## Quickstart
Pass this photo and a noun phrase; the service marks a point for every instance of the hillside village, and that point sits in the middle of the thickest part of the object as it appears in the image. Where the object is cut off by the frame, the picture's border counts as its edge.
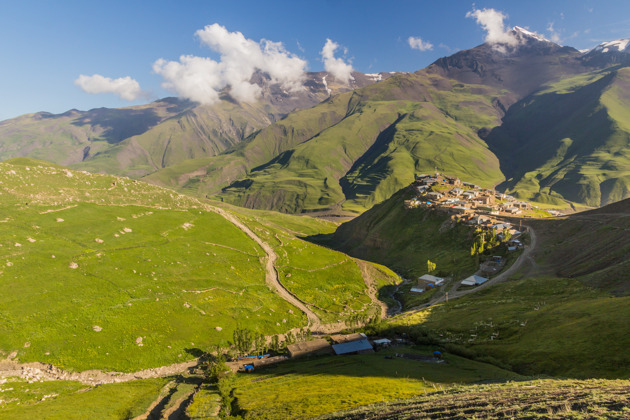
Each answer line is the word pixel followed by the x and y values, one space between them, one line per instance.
pixel 474 206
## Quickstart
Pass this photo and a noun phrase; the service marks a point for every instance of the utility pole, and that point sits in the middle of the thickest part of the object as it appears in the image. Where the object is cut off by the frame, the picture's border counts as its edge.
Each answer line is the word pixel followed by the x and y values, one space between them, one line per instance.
pixel 446 297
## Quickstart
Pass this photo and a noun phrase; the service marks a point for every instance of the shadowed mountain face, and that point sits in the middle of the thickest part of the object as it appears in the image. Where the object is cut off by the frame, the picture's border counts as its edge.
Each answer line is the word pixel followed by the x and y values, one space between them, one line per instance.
pixel 569 142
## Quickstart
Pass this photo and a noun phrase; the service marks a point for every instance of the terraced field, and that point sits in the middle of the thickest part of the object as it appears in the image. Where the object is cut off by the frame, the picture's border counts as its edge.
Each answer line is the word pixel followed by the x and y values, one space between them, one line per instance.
pixel 548 399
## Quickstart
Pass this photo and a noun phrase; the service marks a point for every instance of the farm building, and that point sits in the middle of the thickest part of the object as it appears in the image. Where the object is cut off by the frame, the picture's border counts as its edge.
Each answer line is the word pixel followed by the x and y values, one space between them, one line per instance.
pixel 310 348
pixel 416 289
pixel 501 226
pixel 469 195
pixel 346 338
pixel 382 342
pixel 484 199
pixel 474 280
pixel 354 347
pixel 438 281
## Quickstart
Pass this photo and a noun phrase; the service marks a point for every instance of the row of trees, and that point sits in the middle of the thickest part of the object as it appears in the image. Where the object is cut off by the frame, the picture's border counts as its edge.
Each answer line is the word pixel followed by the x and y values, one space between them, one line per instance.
pixel 246 340
pixel 487 240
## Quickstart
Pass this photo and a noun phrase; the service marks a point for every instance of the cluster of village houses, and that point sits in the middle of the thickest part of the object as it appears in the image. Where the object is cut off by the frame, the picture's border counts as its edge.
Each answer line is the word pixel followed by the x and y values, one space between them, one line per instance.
pixel 473 206
pixel 451 195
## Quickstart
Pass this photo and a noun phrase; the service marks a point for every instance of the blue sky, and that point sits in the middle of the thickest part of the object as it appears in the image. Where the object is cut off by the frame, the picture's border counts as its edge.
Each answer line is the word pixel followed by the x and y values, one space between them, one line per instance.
pixel 45 46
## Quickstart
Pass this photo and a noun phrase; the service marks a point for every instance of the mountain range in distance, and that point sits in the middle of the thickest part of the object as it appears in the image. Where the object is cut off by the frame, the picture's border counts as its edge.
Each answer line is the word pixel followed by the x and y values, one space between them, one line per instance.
pixel 544 122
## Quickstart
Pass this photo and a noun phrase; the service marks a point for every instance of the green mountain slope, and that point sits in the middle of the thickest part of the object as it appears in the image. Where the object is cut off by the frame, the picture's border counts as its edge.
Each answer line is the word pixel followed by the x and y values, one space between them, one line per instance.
pixel 569 142
pixel 404 239
pixel 566 304
pixel 198 132
pixel 140 140
pixel 407 124
pixel 116 274
pixel 591 246
pixel 74 136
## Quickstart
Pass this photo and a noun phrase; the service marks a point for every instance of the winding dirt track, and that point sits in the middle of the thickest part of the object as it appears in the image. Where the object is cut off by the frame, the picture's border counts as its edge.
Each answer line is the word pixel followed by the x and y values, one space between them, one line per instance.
pixel 271 274
pixel 372 287
pixel 40 371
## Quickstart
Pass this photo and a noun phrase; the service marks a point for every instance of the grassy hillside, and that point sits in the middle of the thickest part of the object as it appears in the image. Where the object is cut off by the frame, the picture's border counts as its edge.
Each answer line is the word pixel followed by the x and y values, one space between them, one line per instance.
pixel 404 239
pixel 577 149
pixel 534 326
pixel 546 398
pixel 407 124
pixel 208 175
pixel 117 274
pixel 557 315
pixel 307 388
pixel 199 132
pixel 61 400
pixel 591 246
pixel 74 136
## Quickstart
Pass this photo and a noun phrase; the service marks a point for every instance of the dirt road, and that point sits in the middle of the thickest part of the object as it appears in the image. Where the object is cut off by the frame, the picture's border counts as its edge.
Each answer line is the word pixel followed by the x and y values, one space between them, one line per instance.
pixel 36 371
pixel 372 287
pixel 271 274
pixel 454 293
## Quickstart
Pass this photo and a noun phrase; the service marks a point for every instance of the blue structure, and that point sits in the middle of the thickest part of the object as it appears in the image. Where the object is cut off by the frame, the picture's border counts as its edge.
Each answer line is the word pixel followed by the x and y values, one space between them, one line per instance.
pixel 253 357
pixel 248 368
pixel 353 347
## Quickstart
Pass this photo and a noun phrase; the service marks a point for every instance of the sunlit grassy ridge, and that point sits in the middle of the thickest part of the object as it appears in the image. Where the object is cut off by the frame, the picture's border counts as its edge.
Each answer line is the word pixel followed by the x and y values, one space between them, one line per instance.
pixel 404 239
pixel 393 129
pixel 330 282
pixel 96 263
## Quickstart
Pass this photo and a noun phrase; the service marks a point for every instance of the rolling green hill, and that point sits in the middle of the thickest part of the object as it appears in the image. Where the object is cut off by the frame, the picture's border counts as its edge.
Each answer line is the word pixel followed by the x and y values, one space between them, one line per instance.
pixel 563 313
pixel 404 239
pixel 74 136
pixel 404 125
pixel 591 246
pixel 116 274
pixel 139 140
pixel 569 142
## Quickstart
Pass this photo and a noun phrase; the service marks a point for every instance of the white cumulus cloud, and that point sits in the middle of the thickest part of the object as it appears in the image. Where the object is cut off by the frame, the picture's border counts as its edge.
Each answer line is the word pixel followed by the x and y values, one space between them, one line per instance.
pixel 418 44
pixel 201 79
pixel 125 87
pixel 334 65
pixel 554 35
pixel 491 21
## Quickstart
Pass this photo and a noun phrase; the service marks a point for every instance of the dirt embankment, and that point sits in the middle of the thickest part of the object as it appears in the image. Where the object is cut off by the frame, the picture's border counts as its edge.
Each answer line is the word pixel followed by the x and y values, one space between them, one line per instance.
pixel 37 372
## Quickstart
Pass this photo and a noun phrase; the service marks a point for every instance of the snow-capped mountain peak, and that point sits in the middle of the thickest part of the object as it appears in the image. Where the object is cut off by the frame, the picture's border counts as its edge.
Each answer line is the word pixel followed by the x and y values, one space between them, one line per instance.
pixel 522 32
pixel 619 45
